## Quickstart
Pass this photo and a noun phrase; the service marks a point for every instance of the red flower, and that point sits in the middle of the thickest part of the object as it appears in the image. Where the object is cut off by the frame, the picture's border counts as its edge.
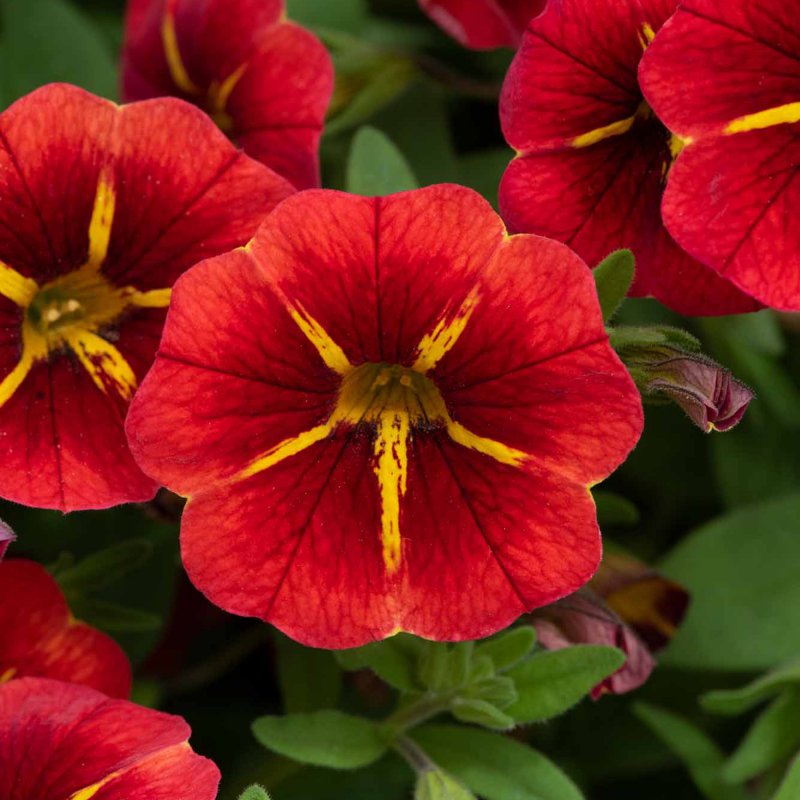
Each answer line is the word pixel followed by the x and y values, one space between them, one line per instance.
pixel 483 24
pixel 265 81
pixel 58 741
pixel 592 158
pixel 724 76
pixel 40 638
pixel 386 413
pixel 101 209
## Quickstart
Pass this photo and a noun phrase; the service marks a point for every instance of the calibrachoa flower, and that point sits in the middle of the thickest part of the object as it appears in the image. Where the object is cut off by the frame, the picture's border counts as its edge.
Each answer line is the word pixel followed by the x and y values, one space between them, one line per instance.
pixel 40 638
pixel 265 81
pixel 724 76
pixel 59 741
pixel 592 158
pixel 386 413
pixel 483 24
pixel 101 209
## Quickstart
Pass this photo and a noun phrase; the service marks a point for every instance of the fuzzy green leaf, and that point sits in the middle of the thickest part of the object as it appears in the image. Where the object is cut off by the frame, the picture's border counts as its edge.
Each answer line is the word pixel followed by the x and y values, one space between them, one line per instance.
pixel 254 792
pixel 613 277
pixel 376 167
pixel 737 701
pixel 508 648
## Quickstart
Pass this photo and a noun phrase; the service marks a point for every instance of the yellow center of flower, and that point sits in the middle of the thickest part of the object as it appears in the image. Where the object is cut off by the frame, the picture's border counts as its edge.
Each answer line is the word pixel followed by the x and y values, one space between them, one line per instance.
pixel 395 403
pixel 72 311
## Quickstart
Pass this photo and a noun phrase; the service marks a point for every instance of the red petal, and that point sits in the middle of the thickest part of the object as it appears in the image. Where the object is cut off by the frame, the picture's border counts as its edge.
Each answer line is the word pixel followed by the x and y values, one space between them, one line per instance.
pixel 728 201
pixel 57 739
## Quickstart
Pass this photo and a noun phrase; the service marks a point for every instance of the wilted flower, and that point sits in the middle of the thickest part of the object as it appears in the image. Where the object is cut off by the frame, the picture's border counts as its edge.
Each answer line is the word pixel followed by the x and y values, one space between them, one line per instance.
pixel 6 537
pixel 264 80
pixel 40 638
pixel 483 24
pixel 592 158
pixel 711 397
pixel 626 605
pixel 102 207
pixel 723 76
pixel 60 740
pixel 386 414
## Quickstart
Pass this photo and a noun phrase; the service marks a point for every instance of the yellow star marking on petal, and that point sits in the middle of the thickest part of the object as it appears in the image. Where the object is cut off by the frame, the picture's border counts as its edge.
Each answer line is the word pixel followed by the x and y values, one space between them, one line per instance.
pixel 394 401
pixel 91 791
pixel 8 675
pixel 102 219
pixel 391 469
pixel 218 95
pixel 780 115
pixel 32 351
pixel 155 298
pixel 647 35
pixel 106 366
pixel 177 70
pixel 16 287
pixel 329 351
pixel 442 338
pixel 606 132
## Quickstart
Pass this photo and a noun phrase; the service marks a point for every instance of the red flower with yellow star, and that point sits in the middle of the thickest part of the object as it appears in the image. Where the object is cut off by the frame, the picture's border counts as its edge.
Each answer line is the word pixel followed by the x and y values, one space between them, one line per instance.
pixel 59 740
pixel 483 24
pixel 265 81
pixel 592 158
pixel 725 76
pixel 386 414
pixel 101 209
pixel 40 638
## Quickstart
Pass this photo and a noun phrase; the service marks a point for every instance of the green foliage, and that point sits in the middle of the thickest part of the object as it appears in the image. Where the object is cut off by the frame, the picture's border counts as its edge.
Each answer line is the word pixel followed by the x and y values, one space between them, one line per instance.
pixel 551 683
pixel 703 759
pixel 509 648
pixel 376 167
pixel 613 277
pixel 254 793
pixel 736 701
pixel 105 567
pixel 43 41
pixel 613 509
pixel 790 788
pixel 343 15
pixel 310 679
pixel 494 767
pixel 325 738
pixel 433 784
pixel 774 736
pixel 741 573
pixel 393 660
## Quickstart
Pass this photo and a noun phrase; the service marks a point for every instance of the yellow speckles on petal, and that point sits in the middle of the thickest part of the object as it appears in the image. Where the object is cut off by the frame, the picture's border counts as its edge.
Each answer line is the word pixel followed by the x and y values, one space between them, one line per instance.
pixel 177 70
pixel 286 449
pixel 391 469
pixel 16 287
pixel 647 35
pixel 104 363
pixel 606 132
pixel 780 115
pixel 155 298
pixel 443 337
pixel 102 219
pixel 91 791
pixel 8 675
pixel 489 447
pixel 329 351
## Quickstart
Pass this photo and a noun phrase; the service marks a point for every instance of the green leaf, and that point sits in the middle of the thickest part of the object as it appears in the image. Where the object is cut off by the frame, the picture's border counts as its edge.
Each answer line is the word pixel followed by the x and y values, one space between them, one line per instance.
pixel 113 617
pixel 627 336
pixel 433 784
pixel 774 736
pixel 790 788
pixel 254 792
pixel 434 666
pixel 393 660
pixel 737 701
pixel 376 166
pixel 694 748
pixel 613 277
pixel 310 679
pixel 614 509
pixel 480 712
pixel 552 682
pixel 494 767
pixel 508 648
pixel 500 691
pixel 741 573
pixel 105 567
pixel 344 15
pixel 483 170
pixel 324 738
pixel 45 41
